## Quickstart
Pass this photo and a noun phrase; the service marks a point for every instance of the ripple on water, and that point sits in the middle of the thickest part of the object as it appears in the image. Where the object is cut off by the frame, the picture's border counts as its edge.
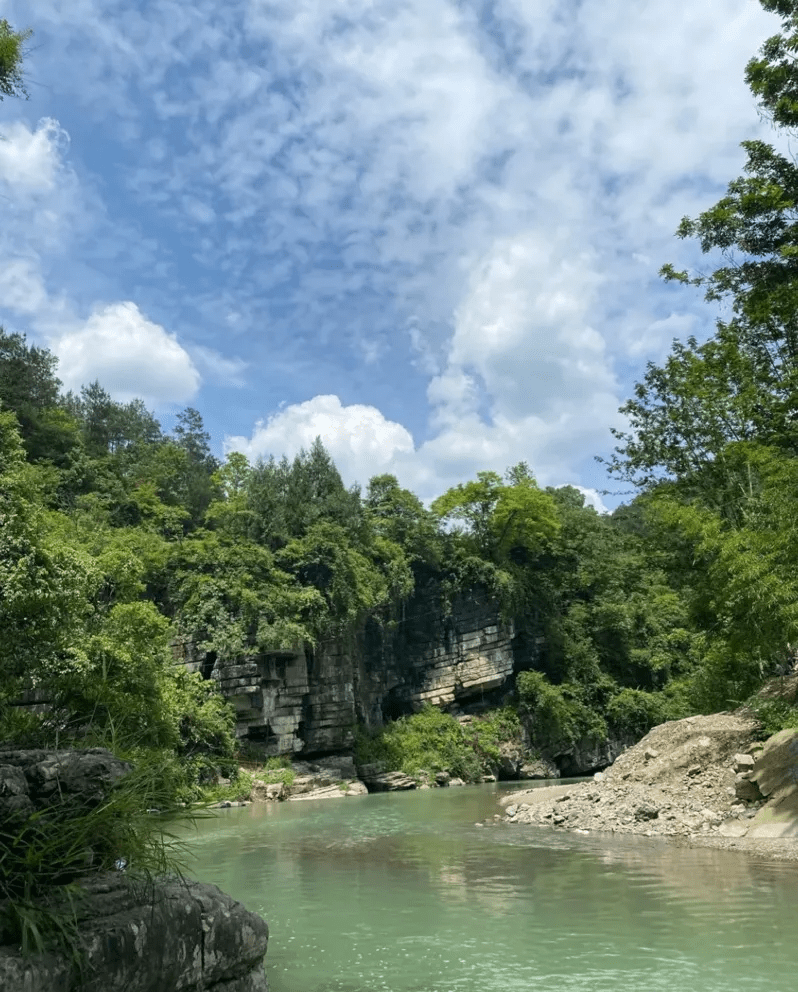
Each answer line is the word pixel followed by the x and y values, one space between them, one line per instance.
pixel 403 893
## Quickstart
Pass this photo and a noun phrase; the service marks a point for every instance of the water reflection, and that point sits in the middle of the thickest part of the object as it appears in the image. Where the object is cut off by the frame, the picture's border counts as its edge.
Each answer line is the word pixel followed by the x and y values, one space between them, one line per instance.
pixel 403 892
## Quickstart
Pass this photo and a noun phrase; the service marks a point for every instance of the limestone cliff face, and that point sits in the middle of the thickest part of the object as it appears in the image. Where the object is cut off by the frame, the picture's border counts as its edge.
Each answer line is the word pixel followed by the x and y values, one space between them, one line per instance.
pixel 309 701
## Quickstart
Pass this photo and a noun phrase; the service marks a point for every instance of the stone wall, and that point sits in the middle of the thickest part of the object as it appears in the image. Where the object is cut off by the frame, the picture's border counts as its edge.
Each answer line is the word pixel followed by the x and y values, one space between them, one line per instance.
pixel 308 701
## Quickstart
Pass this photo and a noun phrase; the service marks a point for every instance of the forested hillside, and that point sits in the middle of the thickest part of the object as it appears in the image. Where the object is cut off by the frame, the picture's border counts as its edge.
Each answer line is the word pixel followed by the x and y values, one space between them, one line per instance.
pixel 116 537
pixel 129 536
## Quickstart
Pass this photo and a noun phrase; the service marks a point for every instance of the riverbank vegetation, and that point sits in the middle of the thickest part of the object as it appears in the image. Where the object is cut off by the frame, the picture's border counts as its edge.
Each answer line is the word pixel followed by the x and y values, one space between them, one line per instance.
pixel 117 537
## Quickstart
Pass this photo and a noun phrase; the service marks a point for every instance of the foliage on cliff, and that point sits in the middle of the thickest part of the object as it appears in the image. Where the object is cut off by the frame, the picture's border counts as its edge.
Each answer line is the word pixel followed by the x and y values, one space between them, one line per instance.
pixel 432 741
pixel 133 536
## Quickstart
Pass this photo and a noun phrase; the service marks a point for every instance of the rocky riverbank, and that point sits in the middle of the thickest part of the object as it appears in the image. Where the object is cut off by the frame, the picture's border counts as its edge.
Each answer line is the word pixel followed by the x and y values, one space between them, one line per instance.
pixel 131 935
pixel 338 777
pixel 705 780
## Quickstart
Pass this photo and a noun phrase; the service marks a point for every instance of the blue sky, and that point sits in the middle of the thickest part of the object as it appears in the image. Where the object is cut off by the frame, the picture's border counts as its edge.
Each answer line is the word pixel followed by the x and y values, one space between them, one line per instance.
pixel 427 230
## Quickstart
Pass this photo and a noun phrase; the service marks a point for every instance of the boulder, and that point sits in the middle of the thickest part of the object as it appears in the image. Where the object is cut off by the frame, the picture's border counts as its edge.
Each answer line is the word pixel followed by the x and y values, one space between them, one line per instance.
pixel 86 775
pixel 442 779
pixel 776 774
pixel 746 789
pixel 538 768
pixel 776 767
pixel 743 763
pixel 339 766
pixel 170 934
pixel 15 798
pixel 510 761
pixel 391 782
pixel 587 755
pixel 370 771
pixel 733 828
pixel 268 791
pixel 323 792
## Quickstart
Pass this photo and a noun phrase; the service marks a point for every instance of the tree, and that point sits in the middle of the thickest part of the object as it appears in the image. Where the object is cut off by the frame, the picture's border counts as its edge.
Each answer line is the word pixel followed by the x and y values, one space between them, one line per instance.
pixel 45 588
pixel 192 438
pixel 499 521
pixel 743 384
pixel 399 515
pixel 230 511
pixel 190 434
pixel 30 388
pixel 714 431
pixel 315 491
pixel 11 53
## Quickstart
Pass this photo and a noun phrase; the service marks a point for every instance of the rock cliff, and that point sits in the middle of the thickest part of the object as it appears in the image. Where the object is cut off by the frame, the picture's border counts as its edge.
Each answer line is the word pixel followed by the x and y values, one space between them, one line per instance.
pixel 308 701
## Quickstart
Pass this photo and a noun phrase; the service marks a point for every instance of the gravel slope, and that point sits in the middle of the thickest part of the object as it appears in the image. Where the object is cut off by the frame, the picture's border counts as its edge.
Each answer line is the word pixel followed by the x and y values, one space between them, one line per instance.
pixel 687 780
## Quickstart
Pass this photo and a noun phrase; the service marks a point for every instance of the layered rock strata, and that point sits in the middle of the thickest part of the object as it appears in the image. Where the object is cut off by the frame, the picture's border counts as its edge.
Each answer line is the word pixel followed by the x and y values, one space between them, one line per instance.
pixel 308 701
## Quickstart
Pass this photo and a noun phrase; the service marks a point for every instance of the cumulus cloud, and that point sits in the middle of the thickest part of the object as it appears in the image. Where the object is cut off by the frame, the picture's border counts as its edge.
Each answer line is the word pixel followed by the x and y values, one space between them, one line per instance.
pixel 360 439
pixel 31 159
pixel 130 355
pixel 21 285
pixel 364 443
pixel 501 180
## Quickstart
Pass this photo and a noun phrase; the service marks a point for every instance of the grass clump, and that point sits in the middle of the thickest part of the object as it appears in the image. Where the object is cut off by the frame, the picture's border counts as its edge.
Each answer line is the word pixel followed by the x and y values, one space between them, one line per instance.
pixel 44 853
pixel 272 771
pixel 775 705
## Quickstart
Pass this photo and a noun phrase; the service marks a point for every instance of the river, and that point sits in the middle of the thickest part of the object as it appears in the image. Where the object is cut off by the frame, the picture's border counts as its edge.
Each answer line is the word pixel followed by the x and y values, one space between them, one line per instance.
pixel 402 892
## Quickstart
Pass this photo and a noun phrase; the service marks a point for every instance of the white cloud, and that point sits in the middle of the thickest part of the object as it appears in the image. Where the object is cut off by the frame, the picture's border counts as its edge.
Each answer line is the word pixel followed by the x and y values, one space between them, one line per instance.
pixel 21 285
pixel 364 443
pixel 528 377
pixel 130 355
pixel 506 195
pixel 360 439
pixel 216 367
pixel 31 160
pixel 592 498
pixel 49 211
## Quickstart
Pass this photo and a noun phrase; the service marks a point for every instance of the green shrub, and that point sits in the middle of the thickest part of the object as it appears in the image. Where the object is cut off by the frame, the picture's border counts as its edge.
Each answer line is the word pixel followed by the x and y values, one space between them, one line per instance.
pixel 276 770
pixel 434 741
pixel 558 713
pixel 774 715
pixel 634 712
pixel 429 740
pixel 238 790
pixel 495 728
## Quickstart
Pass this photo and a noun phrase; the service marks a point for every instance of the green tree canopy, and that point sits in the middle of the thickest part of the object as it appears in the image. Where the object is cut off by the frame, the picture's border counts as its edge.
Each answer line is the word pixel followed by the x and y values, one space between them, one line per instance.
pixel 11 54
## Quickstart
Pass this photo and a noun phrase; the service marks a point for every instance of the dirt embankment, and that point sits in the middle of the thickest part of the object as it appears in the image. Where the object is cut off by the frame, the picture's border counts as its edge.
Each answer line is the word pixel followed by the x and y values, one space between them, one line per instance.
pixel 706 779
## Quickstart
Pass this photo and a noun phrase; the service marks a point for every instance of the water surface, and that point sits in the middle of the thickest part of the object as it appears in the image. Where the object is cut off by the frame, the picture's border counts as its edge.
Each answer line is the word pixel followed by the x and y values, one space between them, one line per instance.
pixel 402 892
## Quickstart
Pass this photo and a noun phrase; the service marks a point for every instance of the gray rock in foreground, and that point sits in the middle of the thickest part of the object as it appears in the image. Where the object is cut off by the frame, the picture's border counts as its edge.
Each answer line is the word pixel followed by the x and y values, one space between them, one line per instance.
pixel 166 936
pixel 173 935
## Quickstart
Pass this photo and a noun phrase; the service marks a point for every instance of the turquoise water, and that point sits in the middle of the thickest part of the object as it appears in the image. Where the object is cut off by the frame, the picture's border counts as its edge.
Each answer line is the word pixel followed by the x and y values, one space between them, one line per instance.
pixel 402 892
